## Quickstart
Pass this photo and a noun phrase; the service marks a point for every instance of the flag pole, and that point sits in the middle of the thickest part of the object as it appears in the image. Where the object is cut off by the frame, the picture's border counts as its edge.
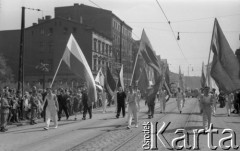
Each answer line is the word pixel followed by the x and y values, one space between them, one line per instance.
pixel 56 72
pixel 208 72
pixel 134 66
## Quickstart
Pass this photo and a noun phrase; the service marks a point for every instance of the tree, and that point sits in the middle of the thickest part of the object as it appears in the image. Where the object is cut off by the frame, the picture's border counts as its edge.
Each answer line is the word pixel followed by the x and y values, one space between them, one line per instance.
pixel 6 75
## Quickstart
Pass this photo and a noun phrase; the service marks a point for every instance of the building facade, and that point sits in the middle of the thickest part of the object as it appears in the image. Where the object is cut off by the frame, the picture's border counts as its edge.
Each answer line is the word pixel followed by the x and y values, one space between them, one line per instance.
pixel 46 41
pixel 111 25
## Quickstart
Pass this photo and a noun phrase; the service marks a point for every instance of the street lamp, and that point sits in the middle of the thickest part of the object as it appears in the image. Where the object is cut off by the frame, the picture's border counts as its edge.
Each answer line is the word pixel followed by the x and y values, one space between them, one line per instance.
pixel 43 67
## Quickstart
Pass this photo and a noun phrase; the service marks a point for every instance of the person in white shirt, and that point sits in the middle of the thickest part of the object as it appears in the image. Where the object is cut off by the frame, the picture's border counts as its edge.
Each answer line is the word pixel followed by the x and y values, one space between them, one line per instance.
pixel 51 109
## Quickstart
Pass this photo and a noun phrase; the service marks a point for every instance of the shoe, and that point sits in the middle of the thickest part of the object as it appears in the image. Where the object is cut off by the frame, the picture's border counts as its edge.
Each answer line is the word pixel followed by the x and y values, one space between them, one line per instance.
pixel 128 127
pixel 59 119
pixel 149 116
pixel 55 127
pixel 34 122
pixel 180 112
pixel 3 130
pixel 117 116
pixel 45 128
pixel 90 117
pixel 75 118
pixel 67 117
pixel 83 118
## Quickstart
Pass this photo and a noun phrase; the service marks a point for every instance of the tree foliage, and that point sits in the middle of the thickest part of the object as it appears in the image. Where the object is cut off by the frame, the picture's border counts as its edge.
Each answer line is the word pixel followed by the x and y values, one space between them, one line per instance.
pixel 5 71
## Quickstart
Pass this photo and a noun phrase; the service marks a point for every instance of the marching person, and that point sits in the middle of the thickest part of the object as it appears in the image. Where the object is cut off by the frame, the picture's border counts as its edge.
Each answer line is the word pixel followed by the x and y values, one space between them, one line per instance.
pixel 229 100
pixel 162 99
pixel 132 107
pixel 179 100
pixel 104 100
pixel 121 96
pixel 34 101
pixel 214 106
pixel 51 108
pixel 206 101
pixel 86 104
pixel 4 111
pixel 63 104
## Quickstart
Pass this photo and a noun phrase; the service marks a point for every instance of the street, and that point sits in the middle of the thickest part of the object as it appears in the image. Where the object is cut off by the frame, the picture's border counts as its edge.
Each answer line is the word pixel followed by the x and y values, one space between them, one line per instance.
pixel 105 132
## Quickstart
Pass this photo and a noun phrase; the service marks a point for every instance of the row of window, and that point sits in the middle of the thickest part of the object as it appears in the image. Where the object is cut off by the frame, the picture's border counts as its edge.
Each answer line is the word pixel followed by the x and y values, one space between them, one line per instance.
pixel 117 26
pixel 102 47
pixel 97 64
pixel 45 46
pixel 50 31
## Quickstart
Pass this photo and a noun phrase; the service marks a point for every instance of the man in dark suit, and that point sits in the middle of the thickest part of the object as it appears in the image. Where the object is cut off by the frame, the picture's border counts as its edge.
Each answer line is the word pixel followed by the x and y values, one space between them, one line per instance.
pixel 86 104
pixel 62 101
pixel 121 96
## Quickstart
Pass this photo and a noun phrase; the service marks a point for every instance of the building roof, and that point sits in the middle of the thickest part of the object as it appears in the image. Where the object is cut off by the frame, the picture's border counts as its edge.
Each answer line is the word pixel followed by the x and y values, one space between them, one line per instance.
pixel 86 27
pixel 98 9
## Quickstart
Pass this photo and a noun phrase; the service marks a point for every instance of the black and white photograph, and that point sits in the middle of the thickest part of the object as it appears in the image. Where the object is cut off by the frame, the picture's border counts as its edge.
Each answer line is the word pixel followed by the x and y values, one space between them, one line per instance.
pixel 119 75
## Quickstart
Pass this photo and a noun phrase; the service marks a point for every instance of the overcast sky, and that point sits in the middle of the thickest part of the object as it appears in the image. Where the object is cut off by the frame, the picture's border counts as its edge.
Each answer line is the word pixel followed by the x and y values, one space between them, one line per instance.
pixel 192 18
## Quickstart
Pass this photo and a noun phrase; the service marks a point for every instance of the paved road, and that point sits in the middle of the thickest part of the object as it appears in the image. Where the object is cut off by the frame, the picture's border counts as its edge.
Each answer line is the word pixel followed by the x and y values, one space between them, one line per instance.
pixel 105 132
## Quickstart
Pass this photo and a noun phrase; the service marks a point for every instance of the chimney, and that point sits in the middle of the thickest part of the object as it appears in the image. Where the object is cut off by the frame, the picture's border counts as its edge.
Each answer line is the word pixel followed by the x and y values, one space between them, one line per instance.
pixel 48 17
pixel 34 24
pixel 76 4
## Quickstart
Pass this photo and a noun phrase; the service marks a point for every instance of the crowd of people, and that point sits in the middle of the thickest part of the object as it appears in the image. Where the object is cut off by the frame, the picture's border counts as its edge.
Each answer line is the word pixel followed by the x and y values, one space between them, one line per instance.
pixel 50 104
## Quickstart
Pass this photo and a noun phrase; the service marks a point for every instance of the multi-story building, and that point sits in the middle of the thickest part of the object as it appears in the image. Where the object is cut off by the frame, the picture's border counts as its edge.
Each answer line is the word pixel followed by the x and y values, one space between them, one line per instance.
pixel 46 41
pixel 108 23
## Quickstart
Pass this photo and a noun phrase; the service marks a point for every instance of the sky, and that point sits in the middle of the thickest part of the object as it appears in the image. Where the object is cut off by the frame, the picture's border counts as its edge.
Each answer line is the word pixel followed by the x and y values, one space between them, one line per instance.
pixel 193 19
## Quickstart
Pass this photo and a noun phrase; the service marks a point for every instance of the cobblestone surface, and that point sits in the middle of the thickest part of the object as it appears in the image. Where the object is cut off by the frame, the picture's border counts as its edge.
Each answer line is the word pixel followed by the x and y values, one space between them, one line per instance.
pixel 118 139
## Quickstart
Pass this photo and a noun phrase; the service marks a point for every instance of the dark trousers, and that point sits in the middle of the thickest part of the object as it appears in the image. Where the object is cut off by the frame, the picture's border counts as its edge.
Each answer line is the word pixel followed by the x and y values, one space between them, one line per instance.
pixel 4 119
pixel 86 109
pixel 119 108
pixel 64 108
pixel 33 115
pixel 151 109
pixel 15 115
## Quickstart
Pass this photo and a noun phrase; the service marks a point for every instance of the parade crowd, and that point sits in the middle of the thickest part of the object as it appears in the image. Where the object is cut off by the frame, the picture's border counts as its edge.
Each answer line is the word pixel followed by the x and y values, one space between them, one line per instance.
pixel 50 104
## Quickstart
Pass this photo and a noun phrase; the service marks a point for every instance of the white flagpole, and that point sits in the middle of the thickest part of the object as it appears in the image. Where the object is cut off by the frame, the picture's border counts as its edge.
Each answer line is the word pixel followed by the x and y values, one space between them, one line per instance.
pixel 56 72
pixel 134 67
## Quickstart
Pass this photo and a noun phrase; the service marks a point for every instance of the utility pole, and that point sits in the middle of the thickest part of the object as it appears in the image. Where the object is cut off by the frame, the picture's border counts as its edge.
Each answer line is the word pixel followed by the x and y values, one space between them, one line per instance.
pixel 21 66
pixel 21 53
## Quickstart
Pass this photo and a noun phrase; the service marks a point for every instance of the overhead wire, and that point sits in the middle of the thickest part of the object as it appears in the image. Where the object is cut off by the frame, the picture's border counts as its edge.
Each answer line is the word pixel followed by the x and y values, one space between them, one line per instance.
pixel 172 31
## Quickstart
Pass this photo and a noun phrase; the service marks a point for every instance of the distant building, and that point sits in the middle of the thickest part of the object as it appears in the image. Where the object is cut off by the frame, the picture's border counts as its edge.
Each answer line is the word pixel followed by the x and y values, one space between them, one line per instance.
pixel 111 25
pixel 46 41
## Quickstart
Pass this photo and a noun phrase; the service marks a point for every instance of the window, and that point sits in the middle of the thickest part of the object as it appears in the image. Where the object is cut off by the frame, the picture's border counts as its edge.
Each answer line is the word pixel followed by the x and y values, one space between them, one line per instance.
pixel 103 48
pixel 50 46
pixel 95 64
pixel 42 31
pixel 99 64
pixel 74 29
pixel 65 30
pixel 95 45
pixel 107 47
pixel 99 46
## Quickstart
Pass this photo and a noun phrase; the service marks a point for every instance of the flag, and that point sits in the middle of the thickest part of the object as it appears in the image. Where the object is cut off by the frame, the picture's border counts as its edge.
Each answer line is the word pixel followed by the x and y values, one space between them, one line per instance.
pixel 181 80
pixel 225 66
pixel 138 65
pixel 146 51
pixel 120 78
pixel 110 83
pixel 99 79
pixel 209 80
pixel 77 63
pixel 203 78
pixel 143 81
pixel 148 55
